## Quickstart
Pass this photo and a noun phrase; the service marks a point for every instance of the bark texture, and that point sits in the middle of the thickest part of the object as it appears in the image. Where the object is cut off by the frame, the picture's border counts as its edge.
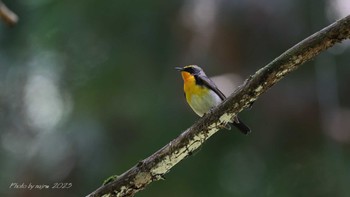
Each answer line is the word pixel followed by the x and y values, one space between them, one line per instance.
pixel 157 165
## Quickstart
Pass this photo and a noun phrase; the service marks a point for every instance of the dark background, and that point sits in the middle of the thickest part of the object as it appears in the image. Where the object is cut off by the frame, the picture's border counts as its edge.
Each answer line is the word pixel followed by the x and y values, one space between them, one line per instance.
pixel 88 88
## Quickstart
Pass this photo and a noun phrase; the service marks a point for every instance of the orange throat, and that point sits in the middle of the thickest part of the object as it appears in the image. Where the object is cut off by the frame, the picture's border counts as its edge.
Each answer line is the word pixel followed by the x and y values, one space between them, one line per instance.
pixel 187 77
pixel 190 87
pixel 189 81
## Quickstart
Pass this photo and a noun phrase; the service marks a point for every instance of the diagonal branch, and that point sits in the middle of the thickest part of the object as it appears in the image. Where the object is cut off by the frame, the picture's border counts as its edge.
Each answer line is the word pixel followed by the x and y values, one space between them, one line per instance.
pixel 157 165
pixel 7 15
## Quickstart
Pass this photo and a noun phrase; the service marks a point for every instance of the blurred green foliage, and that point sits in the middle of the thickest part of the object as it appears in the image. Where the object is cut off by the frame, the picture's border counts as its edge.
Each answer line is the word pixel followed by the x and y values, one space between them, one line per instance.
pixel 87 89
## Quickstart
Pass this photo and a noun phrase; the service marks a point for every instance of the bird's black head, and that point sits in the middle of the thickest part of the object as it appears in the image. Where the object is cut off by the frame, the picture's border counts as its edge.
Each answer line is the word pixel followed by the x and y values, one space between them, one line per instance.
pixel 191 69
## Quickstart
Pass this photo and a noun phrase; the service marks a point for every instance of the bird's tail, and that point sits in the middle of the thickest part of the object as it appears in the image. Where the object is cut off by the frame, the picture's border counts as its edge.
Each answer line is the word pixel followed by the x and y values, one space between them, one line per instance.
pixel 241 126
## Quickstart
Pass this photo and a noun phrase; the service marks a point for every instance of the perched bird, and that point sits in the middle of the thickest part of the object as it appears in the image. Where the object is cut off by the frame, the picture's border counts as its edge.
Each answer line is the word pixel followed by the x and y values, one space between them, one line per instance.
pixel 202 94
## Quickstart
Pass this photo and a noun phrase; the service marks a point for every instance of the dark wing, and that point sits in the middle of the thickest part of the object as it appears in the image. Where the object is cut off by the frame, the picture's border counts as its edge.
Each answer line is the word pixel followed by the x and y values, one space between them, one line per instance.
pixel 205 81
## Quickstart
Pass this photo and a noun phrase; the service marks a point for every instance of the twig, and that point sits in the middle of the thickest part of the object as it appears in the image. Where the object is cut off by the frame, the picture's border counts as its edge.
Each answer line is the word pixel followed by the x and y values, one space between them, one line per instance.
pixel 7 15
pixel 157 165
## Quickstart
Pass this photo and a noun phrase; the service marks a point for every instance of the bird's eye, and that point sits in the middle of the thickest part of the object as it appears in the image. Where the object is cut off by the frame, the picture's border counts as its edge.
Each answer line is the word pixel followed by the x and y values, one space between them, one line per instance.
pixel 190 70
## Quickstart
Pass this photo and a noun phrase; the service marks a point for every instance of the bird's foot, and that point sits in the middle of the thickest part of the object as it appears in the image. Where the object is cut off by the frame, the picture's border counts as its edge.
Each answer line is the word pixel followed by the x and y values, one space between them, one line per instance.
pixel 224 126
pixel 250 105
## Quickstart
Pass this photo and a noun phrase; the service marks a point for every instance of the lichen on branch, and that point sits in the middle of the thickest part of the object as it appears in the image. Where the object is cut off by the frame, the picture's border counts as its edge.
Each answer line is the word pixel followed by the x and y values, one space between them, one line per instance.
pixel 158 164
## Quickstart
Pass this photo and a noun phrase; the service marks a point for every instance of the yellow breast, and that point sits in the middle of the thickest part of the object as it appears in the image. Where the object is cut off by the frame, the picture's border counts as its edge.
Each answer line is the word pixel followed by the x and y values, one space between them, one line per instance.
pixel 191 88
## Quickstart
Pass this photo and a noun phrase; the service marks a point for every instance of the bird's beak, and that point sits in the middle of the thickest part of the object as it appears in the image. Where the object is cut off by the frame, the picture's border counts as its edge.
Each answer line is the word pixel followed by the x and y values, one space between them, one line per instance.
pixel 179 68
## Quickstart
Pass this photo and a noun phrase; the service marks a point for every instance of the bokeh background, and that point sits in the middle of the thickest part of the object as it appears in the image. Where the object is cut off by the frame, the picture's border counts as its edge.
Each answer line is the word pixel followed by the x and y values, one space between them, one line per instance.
pixel 88 88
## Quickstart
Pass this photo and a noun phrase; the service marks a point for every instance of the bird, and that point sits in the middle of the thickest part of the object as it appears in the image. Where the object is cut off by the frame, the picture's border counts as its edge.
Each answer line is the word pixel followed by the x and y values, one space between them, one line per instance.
pixel 202 94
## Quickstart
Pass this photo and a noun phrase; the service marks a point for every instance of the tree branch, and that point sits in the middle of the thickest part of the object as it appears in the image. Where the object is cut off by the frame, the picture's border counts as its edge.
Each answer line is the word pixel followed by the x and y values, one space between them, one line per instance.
pixel 7 15
pixel 157 165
